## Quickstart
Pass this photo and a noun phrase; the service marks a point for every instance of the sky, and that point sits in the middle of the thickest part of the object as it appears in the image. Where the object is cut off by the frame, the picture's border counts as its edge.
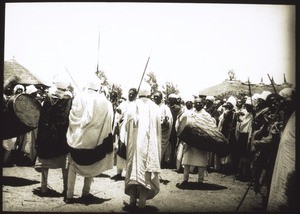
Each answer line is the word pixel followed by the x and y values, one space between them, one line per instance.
pixel 192 45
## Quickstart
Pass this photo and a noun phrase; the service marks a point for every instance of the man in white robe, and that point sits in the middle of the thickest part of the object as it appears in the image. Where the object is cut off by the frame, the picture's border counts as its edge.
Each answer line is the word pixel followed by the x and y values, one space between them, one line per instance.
pixel 90 138
pixel 166 124
pixel 191 155
pixel 143 149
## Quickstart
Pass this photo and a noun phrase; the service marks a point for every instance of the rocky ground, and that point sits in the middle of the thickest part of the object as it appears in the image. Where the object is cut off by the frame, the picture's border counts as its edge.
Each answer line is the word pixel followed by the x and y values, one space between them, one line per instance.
pixel 219 194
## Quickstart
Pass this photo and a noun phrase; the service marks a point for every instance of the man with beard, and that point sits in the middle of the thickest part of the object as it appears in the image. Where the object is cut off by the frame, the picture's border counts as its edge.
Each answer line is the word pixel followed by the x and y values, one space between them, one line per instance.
pixel 166 124
pixel 191 155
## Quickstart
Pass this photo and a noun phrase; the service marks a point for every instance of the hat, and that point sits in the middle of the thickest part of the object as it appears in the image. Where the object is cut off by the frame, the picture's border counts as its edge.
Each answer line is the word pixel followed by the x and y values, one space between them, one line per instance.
pixel 61 85
pixel 31 89
pixel 232 100
pixel 286 93
pixel 265 94
pixel 211 98
pixel 145 90
pixel 18 87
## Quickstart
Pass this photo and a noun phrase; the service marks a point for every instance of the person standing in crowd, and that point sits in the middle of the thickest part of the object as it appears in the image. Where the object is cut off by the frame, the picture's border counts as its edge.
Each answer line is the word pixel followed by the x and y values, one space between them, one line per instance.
pixel 51 143
pixel 119 145
pixel 174 101
pixel 282 197
pixel 143 127
pixel 10 145
pixel 227 126
pixel 166 124
pixel 26 142
pixel 89 137
pixel 191 155
pixel 243 135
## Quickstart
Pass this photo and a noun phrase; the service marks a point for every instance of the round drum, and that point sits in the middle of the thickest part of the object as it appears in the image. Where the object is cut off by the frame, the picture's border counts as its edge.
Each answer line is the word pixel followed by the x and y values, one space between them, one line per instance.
pixel 20 115
pixel 203 136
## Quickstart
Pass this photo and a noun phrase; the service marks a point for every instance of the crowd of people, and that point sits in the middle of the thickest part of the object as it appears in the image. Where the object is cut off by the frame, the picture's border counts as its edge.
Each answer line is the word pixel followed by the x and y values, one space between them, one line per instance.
pixel 91 131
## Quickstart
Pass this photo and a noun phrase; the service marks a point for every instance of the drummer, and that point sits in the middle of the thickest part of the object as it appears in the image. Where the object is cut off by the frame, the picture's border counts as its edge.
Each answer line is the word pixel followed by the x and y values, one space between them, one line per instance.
pixel 191 155
pixel 10 144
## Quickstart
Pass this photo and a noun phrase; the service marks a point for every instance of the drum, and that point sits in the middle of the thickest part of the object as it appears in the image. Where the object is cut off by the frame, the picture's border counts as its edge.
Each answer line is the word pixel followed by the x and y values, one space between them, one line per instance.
pixel 20 115
pixel 203 136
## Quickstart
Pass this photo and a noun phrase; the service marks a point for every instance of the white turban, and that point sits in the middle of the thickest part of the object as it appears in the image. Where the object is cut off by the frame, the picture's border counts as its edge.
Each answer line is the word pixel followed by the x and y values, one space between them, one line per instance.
pixel 18 87
pixel 211 98
pixel 31 89
pixel 232 100
pixel 265 94
pixel 61 85
pixel 286 93
pixel 94 84
pixel 145 90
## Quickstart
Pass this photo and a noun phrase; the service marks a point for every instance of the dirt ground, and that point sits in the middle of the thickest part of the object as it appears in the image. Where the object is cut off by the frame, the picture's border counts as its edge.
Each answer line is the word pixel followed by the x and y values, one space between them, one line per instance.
pixel 20 184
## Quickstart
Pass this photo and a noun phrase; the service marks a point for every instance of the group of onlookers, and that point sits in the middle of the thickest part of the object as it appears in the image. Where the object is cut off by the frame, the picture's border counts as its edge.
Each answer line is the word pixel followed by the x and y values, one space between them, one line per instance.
pixel 89 132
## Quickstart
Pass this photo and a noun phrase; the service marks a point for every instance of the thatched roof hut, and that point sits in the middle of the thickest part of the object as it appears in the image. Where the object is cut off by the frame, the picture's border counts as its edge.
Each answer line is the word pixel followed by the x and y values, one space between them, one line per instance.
pixel 238 88
pixel 13 69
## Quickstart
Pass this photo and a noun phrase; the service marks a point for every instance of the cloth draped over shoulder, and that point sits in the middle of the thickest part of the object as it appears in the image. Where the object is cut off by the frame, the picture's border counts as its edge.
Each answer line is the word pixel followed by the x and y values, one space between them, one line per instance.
pixel 89 134
pixel 282 190
pixel 143 146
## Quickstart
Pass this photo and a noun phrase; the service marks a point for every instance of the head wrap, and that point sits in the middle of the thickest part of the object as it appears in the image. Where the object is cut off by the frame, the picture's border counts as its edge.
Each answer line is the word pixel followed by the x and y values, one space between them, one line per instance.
pixel 145 90
pixel 18 87
pixel 94 84
pixel 211 98
pixel 31 89
pixel 265 94
pixel 232 100
pixel 63 85
pixel 286 93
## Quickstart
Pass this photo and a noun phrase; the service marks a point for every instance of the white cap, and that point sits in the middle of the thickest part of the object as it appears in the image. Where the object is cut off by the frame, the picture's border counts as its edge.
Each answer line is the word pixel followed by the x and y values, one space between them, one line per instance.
pixel 31 89
pixel 145 90
pixel 265 94
pixel 18 87
pixel 94 84
pixel 256 96
pixel 211 98
pixel 232 100
pixel 286 93
pixel 61 85
pixel 249 101
pixel 174 96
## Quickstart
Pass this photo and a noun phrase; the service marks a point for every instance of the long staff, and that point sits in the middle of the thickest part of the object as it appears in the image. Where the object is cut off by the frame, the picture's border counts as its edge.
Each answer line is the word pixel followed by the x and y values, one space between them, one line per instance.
pixel 98 52
pixel 250 94
pixel 272 82
pixel 72 78
pixel 143 74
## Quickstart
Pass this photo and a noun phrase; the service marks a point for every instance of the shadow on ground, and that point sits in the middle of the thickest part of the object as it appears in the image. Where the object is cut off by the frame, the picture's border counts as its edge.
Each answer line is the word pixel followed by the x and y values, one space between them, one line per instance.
pixel 17 182
pixel 134 209
pixel 93 200
pixel 201 186
pixel 50 193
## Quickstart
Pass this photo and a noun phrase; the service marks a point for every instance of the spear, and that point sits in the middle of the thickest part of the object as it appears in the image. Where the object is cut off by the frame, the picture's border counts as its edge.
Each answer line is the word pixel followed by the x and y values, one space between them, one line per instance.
pixel 98 52
pixel 250 91
pixel 72 78
pixel 143 74
pixel 272 84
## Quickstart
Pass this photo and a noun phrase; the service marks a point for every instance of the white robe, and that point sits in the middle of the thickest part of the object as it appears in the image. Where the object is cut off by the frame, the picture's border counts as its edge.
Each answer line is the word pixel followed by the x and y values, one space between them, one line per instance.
pixel 284 169
pixel 143 146
pixel 90 123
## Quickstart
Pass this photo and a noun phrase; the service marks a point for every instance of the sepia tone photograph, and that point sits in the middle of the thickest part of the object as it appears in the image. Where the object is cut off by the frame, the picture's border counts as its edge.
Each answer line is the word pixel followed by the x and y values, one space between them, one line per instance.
pixel 149 107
